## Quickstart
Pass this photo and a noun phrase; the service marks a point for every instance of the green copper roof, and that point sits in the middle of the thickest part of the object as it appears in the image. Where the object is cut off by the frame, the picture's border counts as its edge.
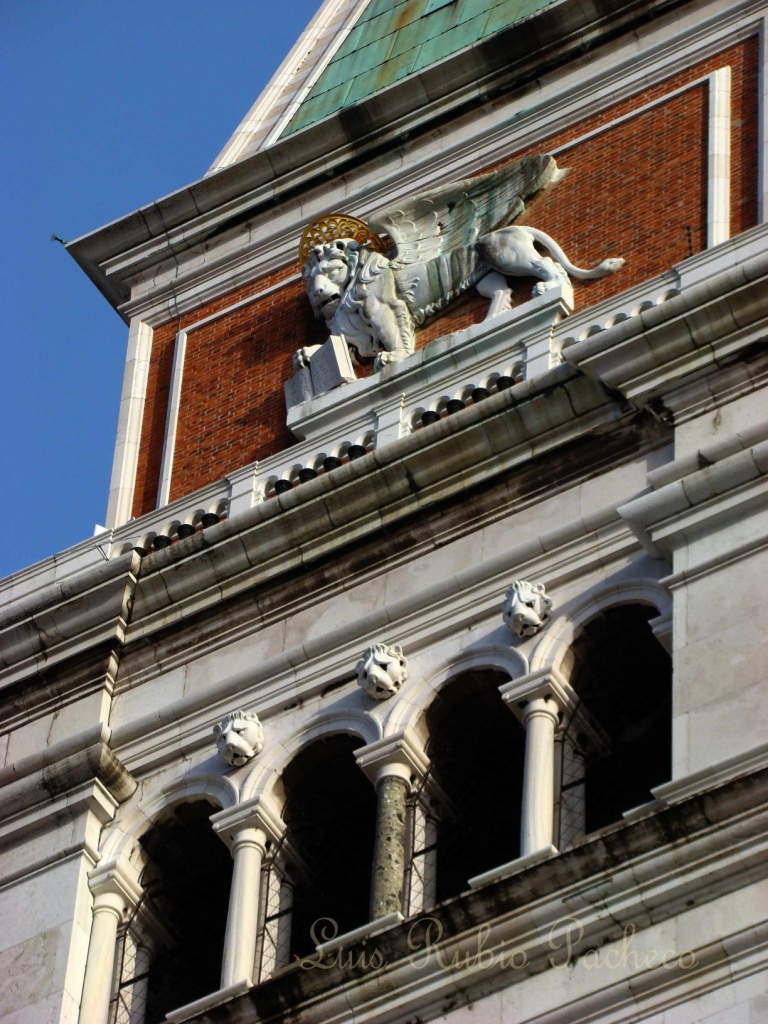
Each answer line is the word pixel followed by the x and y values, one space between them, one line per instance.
pixel 396 38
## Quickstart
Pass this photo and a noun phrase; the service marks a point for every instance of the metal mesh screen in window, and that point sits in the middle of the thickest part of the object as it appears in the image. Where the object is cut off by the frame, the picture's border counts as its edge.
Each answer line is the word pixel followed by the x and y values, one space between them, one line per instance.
pixel 129 1003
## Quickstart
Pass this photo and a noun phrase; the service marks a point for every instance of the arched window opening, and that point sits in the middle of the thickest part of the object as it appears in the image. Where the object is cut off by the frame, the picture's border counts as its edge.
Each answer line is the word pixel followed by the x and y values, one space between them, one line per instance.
pixel 330 811
pixel 477 751
pixel 623 678
pixel 187 882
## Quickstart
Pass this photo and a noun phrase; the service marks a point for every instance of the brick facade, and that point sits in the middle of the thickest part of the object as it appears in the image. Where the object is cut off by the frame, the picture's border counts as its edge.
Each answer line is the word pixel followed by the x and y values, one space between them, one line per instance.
pixel 628 194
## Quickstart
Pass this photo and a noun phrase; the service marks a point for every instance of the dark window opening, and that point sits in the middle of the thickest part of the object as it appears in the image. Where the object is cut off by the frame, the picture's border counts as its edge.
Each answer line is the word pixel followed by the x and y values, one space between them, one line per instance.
pixel 477 751
pixel 623 677
pixel 187 882
pixel 330 812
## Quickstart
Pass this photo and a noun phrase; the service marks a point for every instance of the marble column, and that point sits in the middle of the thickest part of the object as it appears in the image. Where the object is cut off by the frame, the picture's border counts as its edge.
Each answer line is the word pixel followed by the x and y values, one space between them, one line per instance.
pixel 540 718
pixel 538 699
pixel 248 848
pixel 389 855
pixel 392 764
pixel 247 829
pixel 115 891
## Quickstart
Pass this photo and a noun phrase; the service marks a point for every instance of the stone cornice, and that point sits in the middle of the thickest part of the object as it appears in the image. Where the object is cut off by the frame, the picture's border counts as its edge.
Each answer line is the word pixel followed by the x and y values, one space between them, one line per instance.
pixel 56 770
pixel 729 489
pixel 407 476
pixel 654 353
pixel 442 609
pixel 66 618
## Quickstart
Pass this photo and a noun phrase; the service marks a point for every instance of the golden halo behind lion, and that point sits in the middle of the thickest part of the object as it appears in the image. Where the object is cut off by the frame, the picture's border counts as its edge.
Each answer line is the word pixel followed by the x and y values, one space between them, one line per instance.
pixel 337 225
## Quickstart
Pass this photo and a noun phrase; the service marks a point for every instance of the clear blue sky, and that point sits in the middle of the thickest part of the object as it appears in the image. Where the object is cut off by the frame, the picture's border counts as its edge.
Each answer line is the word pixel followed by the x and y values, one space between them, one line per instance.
pixel 106 105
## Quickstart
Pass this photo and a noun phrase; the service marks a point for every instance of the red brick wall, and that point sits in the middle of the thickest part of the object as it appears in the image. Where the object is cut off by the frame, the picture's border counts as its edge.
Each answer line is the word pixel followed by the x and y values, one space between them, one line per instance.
pixel 636 190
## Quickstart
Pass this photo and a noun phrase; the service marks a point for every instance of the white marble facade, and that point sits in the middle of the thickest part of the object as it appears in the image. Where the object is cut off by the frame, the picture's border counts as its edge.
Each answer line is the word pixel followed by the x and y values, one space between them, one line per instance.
pixel 116 671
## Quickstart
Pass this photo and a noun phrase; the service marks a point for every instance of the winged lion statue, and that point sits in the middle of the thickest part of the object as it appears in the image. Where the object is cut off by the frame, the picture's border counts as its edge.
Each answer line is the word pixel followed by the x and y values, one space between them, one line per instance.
pixel 374 293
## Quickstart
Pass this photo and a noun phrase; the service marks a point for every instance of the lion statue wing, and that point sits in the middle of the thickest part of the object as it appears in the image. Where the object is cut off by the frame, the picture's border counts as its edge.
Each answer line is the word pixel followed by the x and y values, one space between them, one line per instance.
pixel 454 216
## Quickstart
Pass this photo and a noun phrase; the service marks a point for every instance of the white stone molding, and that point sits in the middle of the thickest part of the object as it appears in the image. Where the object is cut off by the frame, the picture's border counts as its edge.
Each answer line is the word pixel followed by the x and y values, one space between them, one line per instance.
pixel 120 506
pixel 247 829
pixel 382 670
pixel 365 931
pixel 589 545
pixel 720 773
pixel 88 807
pixel 116 891
pixel 734 487
pixel 635 356
pixel 239 737
pixel 719 158
pixel 556 640
pixel 209 1002
pixel 261 780
pixel 172 419
pixel 405 716
pixel 526 609
pixel 399 754
pixel 513 867
pixel 158 798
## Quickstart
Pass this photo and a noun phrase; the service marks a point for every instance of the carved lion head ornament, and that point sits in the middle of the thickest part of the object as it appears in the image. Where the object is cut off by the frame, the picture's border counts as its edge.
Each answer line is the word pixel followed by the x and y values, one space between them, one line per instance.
pixel 239 737
pixel 382 670
pixel 526 608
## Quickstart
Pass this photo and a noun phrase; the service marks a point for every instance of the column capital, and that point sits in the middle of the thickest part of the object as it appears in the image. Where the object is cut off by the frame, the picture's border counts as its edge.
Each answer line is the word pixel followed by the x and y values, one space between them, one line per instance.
pixel 115 884
pixel 400 754
pixel 233 823
pixel 545 684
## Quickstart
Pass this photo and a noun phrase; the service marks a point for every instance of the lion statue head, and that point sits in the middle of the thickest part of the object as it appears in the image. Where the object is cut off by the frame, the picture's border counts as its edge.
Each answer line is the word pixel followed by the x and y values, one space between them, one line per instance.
pixel 353 289
pixel 382 670
pixel 239 737
pixel 526 608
